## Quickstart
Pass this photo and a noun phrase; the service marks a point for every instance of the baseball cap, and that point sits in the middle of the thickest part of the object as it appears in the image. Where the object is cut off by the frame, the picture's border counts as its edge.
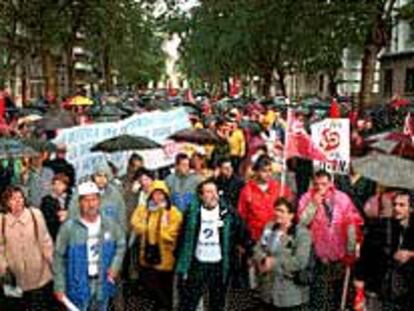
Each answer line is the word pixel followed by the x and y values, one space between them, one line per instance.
pixel 87 188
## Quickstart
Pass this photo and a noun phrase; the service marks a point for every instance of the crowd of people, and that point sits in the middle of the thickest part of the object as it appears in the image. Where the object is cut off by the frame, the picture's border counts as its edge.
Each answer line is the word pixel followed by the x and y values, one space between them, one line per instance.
pixel 221 221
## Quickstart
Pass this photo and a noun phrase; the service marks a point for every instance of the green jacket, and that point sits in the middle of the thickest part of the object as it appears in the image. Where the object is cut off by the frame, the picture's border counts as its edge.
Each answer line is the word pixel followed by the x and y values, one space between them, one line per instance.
pixel 232 234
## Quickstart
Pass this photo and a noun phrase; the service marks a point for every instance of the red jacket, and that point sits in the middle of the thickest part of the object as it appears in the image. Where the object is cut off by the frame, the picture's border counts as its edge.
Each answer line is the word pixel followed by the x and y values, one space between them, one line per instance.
pixel 256 207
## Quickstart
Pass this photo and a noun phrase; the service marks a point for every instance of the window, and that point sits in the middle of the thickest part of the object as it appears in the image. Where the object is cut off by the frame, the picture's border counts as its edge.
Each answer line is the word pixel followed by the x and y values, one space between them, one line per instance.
pixel 388 77
pixel 409 80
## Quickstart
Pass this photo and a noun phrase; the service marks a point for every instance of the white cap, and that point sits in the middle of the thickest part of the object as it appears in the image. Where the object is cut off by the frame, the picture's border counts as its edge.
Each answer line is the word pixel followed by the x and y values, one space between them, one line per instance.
pixel 87 187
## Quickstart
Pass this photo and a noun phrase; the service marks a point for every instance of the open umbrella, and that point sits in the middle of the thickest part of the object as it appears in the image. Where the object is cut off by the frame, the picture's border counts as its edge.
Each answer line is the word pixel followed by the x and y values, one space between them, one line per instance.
pixel 29 118
pixel 107 111
pixel 51 123
pixel 14 148
pixel 197 136
pixel 394 143
pixel 40 145
pixel 388 170
pixel 125 143
pixel 80 101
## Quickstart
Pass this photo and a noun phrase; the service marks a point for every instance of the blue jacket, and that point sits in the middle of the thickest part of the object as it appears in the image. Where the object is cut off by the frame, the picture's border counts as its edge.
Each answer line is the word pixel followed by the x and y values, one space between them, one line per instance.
pixel 71 259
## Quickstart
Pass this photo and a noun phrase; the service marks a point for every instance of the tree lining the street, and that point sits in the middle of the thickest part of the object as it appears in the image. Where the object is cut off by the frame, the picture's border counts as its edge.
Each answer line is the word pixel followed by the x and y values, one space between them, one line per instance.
pixel 224 38
pixel 120 36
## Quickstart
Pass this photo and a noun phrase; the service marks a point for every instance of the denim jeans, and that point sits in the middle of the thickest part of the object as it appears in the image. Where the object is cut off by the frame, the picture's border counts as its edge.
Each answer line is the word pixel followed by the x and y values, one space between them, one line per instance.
pixel 94 304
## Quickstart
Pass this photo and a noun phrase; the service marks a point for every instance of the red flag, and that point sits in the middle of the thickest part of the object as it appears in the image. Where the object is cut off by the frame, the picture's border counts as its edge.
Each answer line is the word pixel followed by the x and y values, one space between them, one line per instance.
pixel 235 87
pixel 189 98
pixel 334 110
pixel 409 125
pixel 299 143
pixel 398 102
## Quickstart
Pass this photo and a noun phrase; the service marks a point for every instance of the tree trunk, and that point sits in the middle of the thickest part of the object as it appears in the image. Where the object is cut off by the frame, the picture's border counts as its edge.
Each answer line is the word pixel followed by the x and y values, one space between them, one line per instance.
pixel 70 69
pixel 378 38
pixel 369 61
pixel 23 78
pixel 12 76
pixel 281 79
pixel 107 70
pixel 267 82
pixel 49 73
pixel 2 68
pixel 332 85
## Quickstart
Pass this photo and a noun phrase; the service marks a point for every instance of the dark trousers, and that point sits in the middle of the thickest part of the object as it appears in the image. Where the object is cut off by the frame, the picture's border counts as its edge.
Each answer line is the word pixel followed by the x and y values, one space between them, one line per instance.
pixel 158 287
pixel 203 277
pixel 326 288
pixel 40 299
pixel 270 307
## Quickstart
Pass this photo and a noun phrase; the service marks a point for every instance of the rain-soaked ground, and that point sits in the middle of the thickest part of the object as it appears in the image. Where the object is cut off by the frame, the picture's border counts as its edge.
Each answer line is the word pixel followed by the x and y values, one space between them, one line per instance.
pixel 134 300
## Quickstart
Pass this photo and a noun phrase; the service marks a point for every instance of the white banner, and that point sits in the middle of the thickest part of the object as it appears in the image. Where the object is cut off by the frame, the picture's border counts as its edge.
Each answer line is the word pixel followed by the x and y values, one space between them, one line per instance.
pixel 157 125
pixel 333 137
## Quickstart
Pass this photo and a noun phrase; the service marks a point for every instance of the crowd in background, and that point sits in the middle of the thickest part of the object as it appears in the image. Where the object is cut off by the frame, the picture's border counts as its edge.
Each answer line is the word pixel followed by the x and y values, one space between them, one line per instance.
pixel 222 221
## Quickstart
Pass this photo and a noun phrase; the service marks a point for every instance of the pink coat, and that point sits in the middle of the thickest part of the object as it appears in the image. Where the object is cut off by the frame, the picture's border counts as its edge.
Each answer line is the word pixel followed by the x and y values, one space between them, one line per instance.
pixel 332 242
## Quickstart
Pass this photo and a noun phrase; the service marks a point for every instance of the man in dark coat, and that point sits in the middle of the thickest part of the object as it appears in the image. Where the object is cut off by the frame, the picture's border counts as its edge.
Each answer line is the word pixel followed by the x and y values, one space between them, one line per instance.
pixel 229 185
pixel 386 268
pixel 61 165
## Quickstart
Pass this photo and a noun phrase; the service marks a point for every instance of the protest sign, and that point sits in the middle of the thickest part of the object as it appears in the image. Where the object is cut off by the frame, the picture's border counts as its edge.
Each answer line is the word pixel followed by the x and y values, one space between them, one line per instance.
pixel 157 125
pixel 333 137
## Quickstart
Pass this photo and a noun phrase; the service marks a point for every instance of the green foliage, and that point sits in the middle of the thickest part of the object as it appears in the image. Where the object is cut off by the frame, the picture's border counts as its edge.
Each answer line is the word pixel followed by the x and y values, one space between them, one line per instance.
pixel 124 31
pixel 252 37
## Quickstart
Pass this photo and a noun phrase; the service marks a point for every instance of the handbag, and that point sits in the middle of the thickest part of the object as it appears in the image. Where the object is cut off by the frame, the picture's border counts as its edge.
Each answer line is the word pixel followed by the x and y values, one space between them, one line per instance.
pixel 8 281
pixel 10 286
pixel 152 252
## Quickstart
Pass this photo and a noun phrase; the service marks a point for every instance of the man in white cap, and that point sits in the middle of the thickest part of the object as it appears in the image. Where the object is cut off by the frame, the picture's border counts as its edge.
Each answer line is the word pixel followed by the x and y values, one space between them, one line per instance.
pixel 88 256
pixel 112 201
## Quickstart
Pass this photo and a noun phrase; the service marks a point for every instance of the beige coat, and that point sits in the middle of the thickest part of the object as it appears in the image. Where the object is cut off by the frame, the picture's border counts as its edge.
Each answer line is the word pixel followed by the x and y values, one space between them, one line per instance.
pixel 26 256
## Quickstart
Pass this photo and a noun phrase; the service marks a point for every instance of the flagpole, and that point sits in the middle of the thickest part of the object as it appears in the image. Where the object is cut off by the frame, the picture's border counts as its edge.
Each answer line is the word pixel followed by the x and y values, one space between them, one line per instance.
pixel 284 160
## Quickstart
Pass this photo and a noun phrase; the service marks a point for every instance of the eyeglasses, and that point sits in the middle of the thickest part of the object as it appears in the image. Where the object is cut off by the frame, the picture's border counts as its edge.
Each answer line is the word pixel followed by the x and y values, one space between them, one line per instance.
pixel 398 204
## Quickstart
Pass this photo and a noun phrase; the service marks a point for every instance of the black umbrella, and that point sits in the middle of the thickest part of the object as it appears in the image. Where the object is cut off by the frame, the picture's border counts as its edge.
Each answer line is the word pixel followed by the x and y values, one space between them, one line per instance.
pixel 107 111
pixel 197 136
pixel 14 148
pixel 125 143
pixel 56 119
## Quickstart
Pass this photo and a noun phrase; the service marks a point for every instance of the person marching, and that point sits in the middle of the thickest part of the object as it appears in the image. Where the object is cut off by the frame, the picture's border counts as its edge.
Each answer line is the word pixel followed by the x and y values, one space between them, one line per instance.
pixel 88 256
pixel 157 224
